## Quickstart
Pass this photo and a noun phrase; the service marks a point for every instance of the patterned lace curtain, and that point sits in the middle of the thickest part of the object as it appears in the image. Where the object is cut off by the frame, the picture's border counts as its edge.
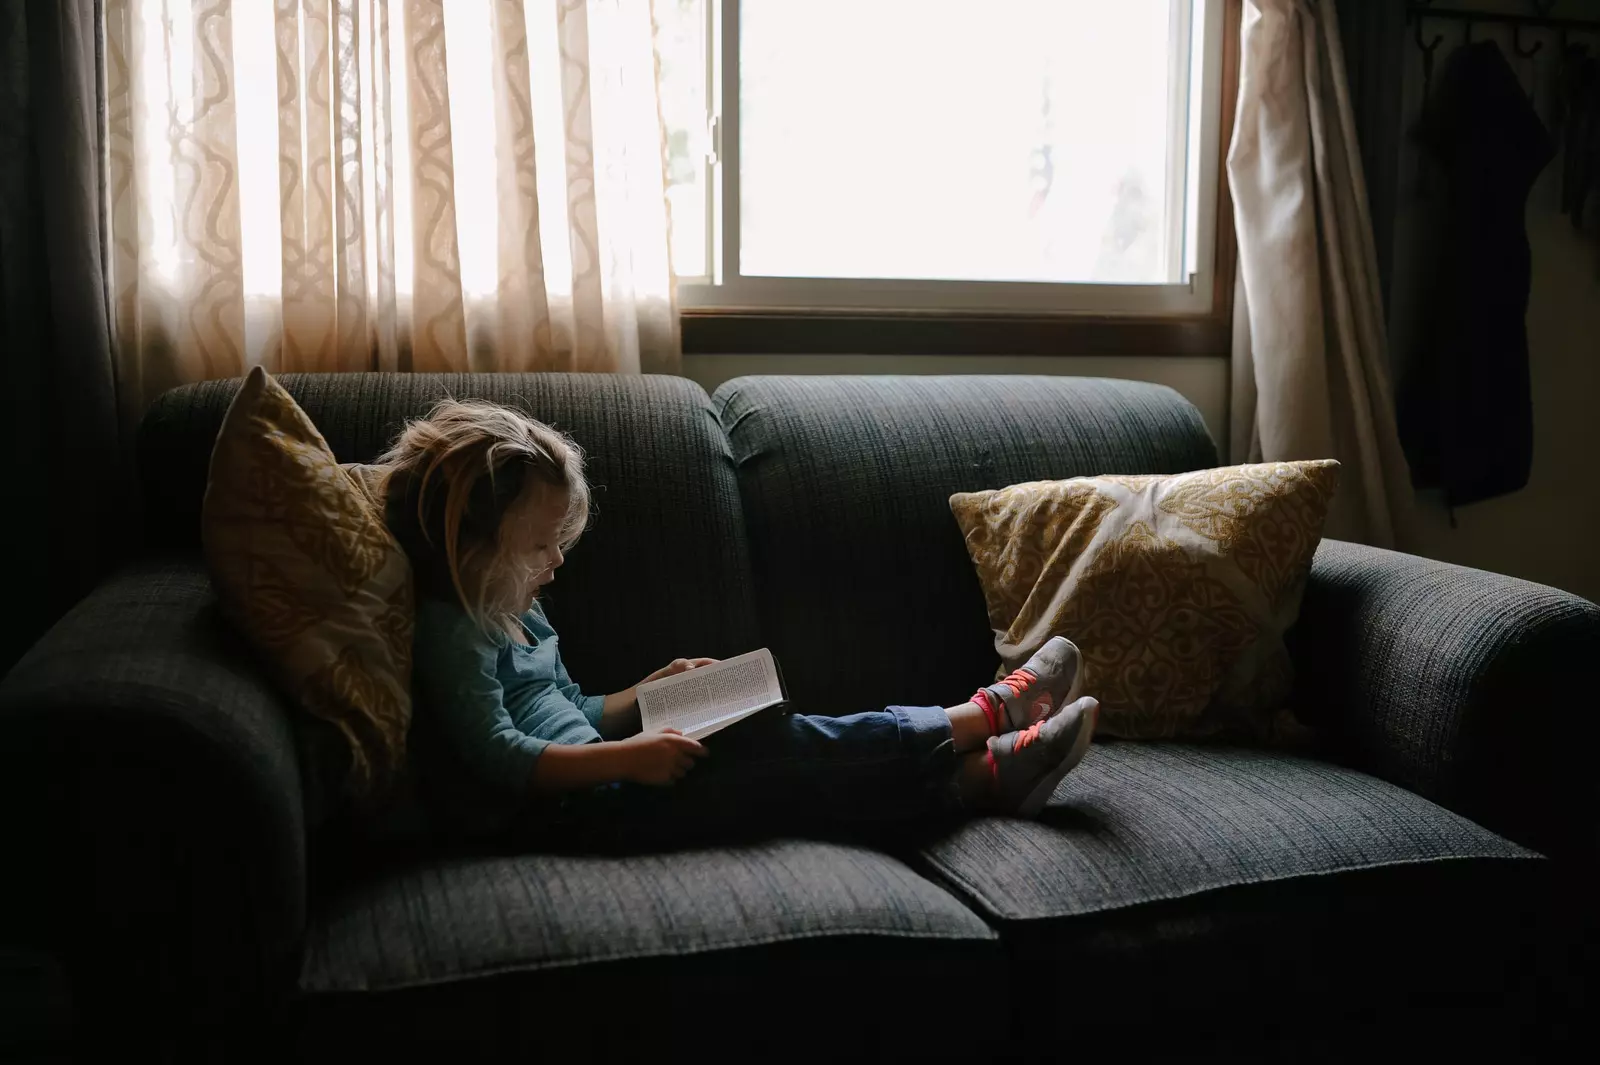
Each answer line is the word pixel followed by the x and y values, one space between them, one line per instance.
pixel 428 185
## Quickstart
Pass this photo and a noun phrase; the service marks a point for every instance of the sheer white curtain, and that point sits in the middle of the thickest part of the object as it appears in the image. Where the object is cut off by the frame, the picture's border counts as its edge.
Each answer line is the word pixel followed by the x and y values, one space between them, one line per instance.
pixel 1310 359
pixel 385 184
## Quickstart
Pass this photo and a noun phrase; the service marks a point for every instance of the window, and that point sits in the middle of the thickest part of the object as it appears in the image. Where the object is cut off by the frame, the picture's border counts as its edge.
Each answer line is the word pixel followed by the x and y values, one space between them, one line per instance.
pixel 1013 155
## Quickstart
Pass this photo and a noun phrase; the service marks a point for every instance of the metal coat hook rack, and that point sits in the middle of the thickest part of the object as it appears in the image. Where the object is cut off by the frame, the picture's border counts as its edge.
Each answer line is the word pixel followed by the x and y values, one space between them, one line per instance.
pixel 1538 18
pixel 1516 44
pixel 1428 48
pixel 1577 59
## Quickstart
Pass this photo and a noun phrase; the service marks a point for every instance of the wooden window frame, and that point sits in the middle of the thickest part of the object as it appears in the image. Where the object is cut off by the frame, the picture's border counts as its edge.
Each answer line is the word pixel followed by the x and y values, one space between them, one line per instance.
pixel 720 331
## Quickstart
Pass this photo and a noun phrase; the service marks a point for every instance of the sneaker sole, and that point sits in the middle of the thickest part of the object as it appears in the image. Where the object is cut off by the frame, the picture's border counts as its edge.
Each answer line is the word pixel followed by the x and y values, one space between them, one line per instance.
pixel 1041 793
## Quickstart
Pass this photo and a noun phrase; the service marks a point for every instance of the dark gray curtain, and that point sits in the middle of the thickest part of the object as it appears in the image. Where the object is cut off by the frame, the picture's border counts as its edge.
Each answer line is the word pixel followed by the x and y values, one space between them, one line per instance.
pixel 56 381
pixel 1373 33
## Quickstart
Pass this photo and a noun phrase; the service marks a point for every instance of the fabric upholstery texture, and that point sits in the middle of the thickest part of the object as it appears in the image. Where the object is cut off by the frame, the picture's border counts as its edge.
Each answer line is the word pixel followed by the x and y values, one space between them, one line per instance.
pixel 1143 822
pixel 478 917
pixel 1177 589
pixel 1471 688
pixel 306 568
pixel 867 594
pixel 1185 880
pixel 171 795
pixel 635 592
pixel 161 783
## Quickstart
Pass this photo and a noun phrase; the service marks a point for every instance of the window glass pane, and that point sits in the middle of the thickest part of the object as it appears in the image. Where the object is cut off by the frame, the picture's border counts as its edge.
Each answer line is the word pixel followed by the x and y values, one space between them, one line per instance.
pixel 1014 140
pixel 681 53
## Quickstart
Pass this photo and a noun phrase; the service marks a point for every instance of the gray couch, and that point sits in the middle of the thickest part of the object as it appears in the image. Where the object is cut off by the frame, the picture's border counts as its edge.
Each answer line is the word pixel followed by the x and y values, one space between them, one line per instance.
pixel 177 863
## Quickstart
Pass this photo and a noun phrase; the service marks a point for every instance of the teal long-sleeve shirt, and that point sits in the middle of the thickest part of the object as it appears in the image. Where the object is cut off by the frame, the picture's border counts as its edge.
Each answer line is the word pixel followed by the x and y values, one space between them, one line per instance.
pixel 498 703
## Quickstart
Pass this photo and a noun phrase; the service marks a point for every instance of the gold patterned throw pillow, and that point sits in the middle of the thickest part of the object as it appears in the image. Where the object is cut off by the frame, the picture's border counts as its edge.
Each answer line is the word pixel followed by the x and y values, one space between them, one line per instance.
pixel 1178 589
pixel 305 566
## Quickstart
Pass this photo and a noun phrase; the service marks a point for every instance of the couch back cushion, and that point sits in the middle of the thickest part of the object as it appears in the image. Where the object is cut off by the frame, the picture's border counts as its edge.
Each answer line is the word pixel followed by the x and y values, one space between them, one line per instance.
pixel 866 590
pixel 663 570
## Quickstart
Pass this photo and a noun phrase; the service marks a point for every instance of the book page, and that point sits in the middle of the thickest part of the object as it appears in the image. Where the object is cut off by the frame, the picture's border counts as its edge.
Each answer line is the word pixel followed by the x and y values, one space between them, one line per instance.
pixel 701 701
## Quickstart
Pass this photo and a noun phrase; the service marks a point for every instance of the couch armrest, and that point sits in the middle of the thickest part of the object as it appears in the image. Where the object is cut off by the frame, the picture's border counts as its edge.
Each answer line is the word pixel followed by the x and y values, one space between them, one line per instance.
pixel 1471 688
pixel 150 781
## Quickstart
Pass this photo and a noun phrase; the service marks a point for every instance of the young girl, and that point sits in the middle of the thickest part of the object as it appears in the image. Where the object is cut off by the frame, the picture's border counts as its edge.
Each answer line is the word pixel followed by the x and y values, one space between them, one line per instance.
pixel 487 502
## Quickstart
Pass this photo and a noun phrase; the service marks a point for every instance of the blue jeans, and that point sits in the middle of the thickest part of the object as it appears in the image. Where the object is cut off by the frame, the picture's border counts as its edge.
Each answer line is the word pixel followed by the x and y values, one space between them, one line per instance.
pixel 777 772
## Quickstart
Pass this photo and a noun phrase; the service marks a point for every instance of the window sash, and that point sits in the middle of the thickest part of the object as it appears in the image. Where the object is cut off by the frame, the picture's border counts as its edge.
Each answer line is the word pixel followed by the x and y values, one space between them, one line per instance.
pixel 1192 195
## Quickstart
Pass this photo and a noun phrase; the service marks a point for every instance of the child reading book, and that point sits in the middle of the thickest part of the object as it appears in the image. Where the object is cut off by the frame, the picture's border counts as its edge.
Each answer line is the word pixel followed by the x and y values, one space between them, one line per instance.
pixel 486 502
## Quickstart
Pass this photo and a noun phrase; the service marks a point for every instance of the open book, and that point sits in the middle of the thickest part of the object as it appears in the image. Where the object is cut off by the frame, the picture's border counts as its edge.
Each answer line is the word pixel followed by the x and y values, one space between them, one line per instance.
pixel 701 701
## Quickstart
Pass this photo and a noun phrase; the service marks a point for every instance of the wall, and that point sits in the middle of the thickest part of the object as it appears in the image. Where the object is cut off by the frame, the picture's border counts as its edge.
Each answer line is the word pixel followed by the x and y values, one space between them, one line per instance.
pixel 1546 532
pixel 1203 381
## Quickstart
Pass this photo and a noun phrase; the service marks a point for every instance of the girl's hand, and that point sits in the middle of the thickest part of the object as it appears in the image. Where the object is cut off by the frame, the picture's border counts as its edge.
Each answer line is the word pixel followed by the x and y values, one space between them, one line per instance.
pixel 677 665
pixel 620 716
pixel 658 758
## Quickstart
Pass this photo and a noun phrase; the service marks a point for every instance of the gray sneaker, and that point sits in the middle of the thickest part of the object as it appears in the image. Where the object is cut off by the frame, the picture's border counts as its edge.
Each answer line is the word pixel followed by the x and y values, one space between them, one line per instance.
pixel 1045 683
pixel 1028 764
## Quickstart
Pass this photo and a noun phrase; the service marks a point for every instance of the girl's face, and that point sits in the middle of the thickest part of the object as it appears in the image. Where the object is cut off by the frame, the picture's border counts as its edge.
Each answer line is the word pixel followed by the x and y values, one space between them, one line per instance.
pixel 532 532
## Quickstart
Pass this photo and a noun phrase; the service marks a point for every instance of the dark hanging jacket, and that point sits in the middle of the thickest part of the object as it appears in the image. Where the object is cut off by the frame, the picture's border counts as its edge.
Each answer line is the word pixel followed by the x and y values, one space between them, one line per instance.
pixel 1466 406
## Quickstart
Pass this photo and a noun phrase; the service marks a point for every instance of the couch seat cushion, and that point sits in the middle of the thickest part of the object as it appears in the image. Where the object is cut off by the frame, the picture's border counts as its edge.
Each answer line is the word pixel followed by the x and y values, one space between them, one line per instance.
pixel 1212 879
pixel 1138 823
pixel 450 946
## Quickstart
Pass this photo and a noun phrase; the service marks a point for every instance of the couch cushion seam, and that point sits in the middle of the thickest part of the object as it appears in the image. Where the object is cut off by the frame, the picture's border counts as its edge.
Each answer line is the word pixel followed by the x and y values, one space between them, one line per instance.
pixel 990 911
pixel 510 968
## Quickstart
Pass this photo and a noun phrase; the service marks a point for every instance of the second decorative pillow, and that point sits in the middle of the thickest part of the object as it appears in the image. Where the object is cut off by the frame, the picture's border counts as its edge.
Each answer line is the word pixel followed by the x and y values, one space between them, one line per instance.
pixel 1178 589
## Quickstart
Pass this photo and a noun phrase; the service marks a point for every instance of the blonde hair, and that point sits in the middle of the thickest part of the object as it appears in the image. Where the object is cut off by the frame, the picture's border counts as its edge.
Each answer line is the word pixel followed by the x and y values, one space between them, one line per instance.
pixel 449 480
